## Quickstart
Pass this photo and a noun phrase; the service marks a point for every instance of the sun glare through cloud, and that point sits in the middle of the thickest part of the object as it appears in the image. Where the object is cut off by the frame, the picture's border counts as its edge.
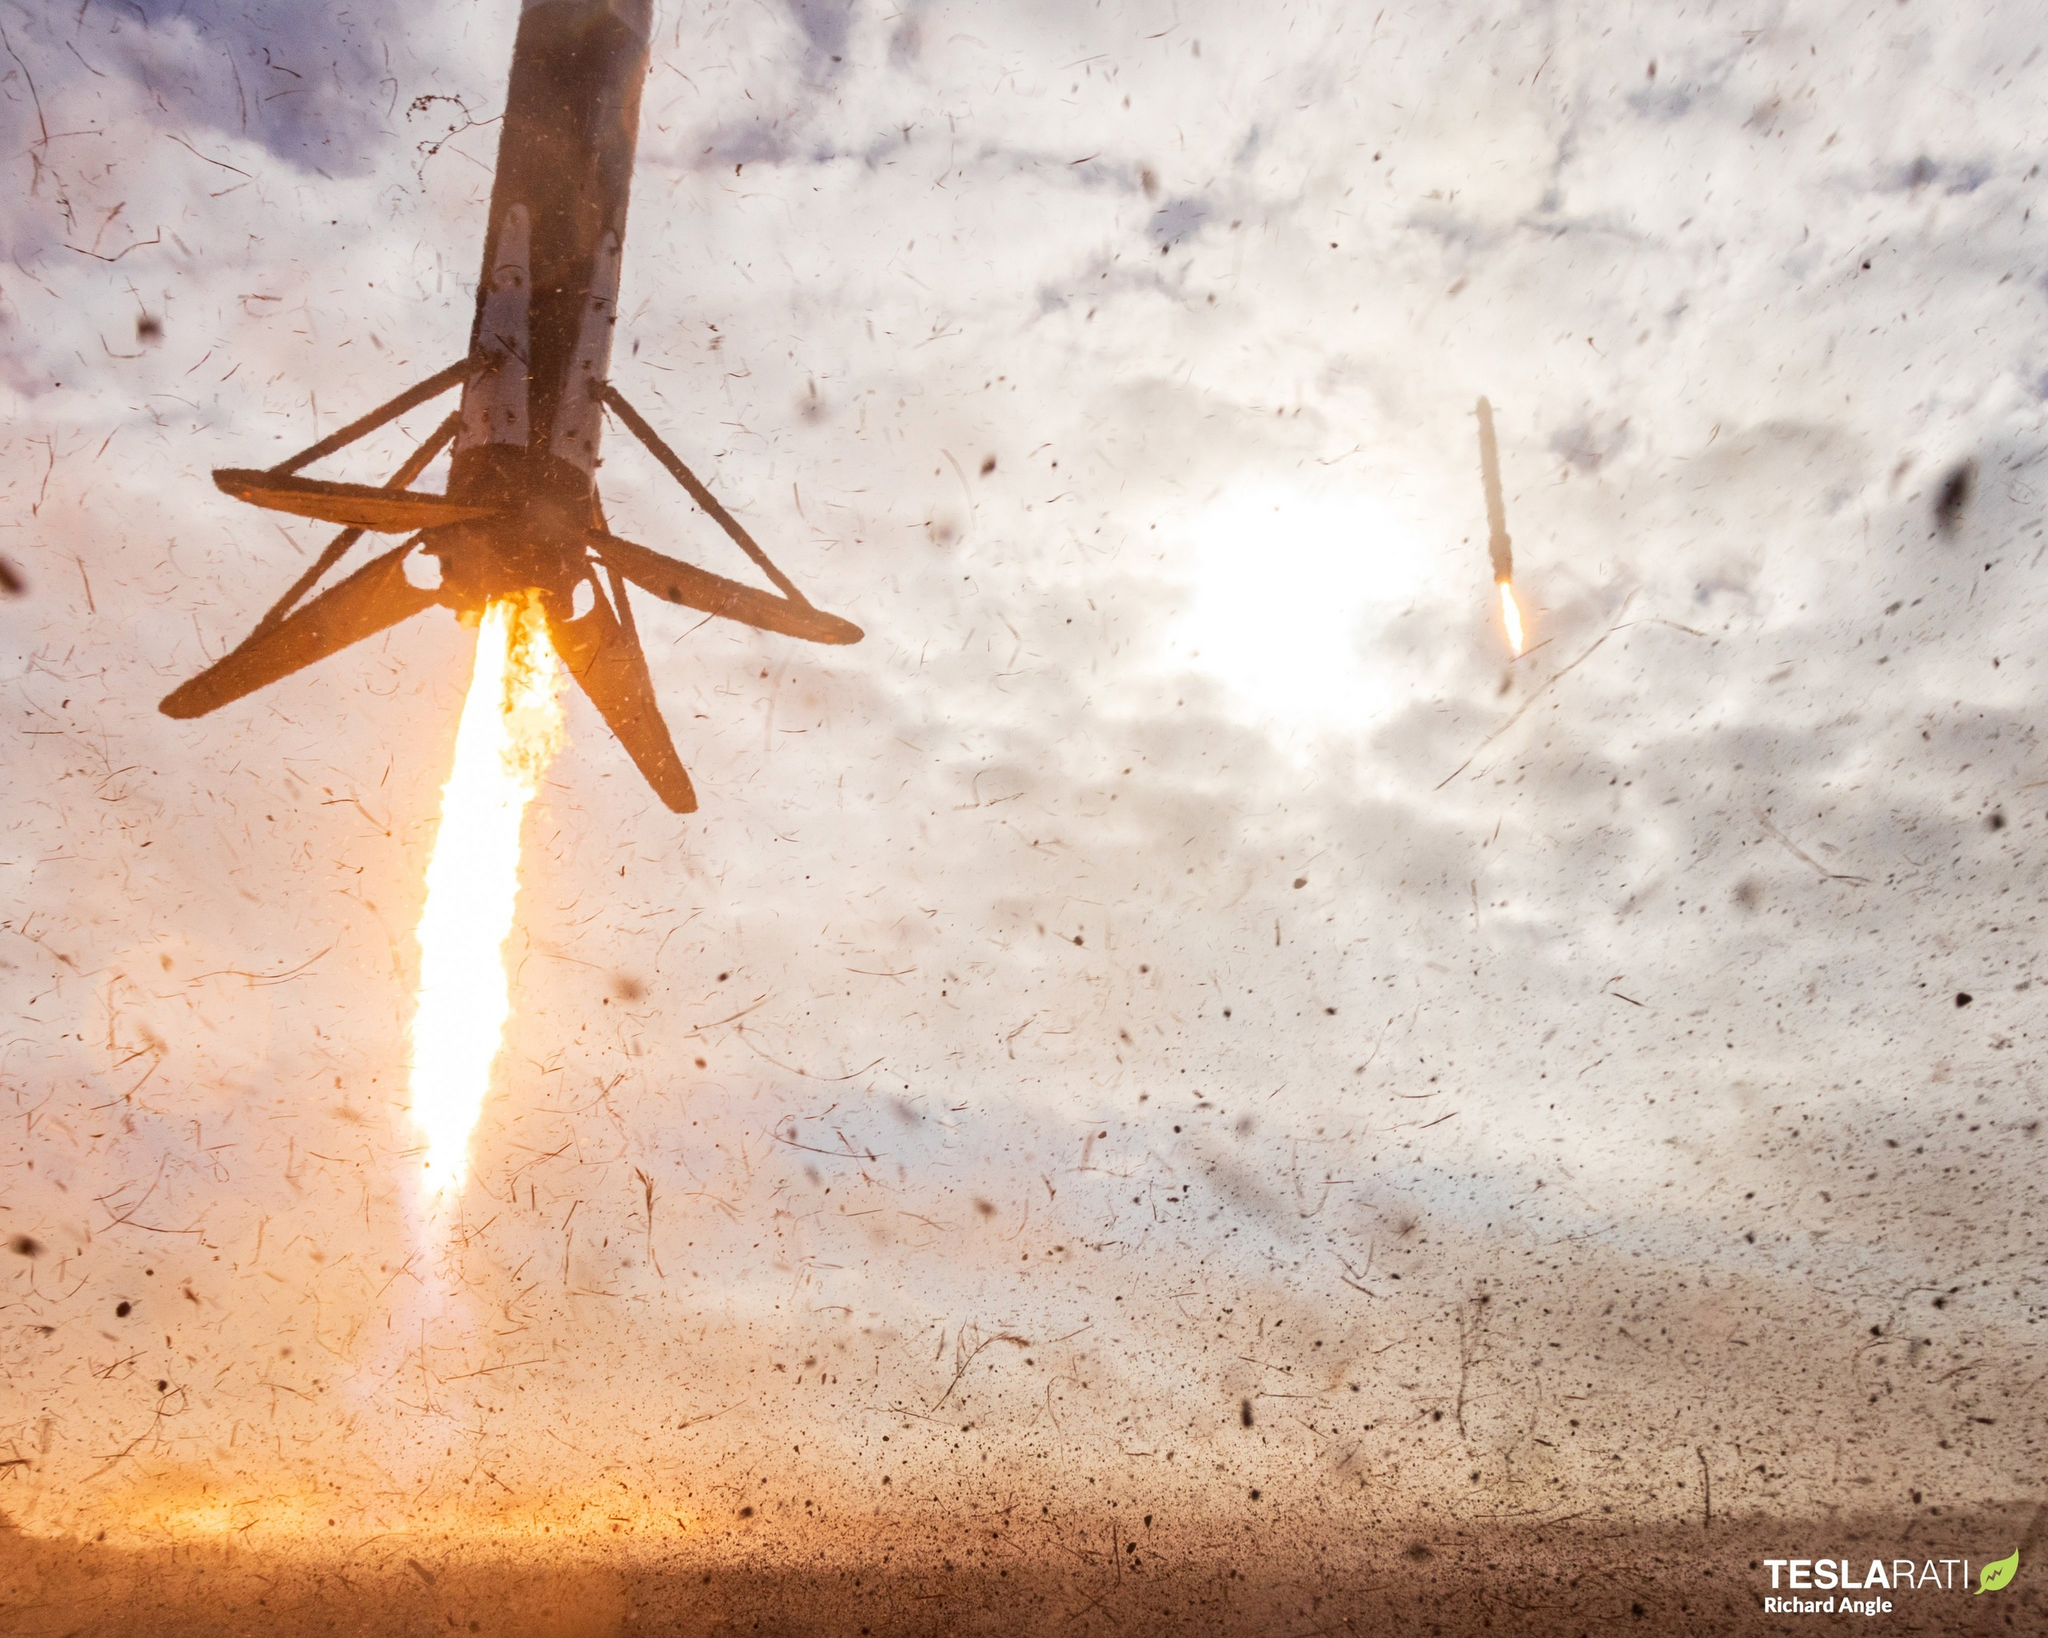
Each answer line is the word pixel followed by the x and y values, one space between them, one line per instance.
pixel 1288 587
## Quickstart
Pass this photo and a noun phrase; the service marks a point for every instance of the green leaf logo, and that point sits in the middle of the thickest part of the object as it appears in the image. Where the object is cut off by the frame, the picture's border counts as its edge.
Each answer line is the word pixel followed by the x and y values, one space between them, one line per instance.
pixel 1994 1576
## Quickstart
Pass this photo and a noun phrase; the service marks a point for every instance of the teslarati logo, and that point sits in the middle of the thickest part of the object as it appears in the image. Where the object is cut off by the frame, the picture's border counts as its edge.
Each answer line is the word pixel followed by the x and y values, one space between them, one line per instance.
pixel 1997 1575
pixel 1836 1578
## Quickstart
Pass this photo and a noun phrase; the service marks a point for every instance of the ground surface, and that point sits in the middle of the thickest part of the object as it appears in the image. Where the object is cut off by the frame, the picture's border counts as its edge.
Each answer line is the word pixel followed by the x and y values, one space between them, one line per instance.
pixel 996 1576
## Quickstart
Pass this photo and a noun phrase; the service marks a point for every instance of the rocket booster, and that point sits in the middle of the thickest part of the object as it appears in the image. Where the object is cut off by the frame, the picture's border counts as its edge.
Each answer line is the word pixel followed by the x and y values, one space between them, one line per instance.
pixel 547 298
pixel 1498 546
pixel 521 513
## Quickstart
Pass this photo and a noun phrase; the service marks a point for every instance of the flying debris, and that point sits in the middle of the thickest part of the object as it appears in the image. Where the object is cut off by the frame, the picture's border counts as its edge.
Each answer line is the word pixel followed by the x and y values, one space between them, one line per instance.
pixel 1499 548
pixel 521 515
pixel 1953 498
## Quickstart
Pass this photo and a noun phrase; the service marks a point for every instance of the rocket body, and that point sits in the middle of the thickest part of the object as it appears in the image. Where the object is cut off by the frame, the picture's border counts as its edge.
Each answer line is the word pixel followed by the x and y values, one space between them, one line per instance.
pixel 1498 547
pixel 547 301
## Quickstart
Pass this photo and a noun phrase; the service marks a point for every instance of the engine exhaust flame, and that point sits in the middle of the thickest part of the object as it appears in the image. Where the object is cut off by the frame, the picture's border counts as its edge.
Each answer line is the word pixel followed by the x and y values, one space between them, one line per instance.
pixel 1511 617
pixel 511 726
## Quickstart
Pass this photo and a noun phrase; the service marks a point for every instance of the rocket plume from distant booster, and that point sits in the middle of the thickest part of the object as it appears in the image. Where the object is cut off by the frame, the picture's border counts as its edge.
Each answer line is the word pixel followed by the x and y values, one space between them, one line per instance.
pixel 1498 547
pixel 1511 617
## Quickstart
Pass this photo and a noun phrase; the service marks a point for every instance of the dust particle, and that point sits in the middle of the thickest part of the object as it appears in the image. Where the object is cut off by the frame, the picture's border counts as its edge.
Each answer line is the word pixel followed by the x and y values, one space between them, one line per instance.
pixel 1954 496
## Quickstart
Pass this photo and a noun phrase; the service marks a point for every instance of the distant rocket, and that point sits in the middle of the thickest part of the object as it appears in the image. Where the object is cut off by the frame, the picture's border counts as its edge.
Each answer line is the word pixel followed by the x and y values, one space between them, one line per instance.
pixel 1498 547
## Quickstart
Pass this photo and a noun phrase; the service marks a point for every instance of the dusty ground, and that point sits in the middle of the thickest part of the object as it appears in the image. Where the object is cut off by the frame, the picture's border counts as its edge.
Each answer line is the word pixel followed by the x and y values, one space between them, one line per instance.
pixel 998 1575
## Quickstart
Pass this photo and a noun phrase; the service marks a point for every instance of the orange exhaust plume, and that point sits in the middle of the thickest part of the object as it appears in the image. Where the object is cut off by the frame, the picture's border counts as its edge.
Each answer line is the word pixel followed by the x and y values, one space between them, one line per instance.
pixel 1511 617
pixel 511 726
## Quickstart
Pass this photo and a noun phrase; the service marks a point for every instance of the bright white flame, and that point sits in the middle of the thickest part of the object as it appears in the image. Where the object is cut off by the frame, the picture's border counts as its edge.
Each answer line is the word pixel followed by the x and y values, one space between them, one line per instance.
pixel 1511 617
pixel 511 726
pixel 1293 586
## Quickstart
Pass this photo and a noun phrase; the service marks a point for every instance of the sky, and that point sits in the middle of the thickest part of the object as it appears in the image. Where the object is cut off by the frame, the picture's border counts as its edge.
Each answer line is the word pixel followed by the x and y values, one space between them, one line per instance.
pixel 1174 1013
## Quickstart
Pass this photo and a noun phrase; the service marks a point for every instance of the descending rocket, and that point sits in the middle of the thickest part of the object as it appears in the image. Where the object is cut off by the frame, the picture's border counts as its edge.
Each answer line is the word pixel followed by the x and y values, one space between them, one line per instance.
pixel 521 513
pixel 1499 548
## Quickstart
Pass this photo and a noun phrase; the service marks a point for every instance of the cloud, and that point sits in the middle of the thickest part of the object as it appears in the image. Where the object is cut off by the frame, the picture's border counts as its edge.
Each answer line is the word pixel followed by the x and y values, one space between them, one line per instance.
pixel 303 83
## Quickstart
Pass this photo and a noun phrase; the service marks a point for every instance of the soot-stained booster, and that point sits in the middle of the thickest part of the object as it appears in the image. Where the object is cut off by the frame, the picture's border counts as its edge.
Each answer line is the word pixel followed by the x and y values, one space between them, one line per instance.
pixel 521 516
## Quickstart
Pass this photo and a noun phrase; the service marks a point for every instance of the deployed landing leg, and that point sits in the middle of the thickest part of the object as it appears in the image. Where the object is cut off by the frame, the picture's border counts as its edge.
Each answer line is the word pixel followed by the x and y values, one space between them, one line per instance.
pixel 390 510
pixel 602 648
pixel 373 599
pixel 603 653
pixel 791 614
